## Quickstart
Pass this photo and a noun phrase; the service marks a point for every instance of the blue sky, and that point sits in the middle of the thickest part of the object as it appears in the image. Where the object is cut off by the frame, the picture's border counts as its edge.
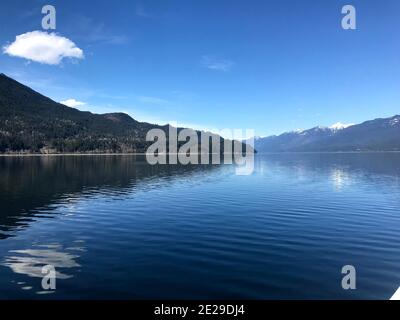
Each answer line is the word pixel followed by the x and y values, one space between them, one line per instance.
pixel 272 66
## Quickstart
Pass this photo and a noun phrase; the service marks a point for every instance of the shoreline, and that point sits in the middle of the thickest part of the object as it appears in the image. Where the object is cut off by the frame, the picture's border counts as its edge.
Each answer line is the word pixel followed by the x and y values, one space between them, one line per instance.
pixel 66 154
pixel 143 153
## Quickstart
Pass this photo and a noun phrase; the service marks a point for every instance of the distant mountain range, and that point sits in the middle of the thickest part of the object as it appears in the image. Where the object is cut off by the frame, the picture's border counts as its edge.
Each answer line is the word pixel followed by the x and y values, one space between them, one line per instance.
pixel 374 135
pixel 33 123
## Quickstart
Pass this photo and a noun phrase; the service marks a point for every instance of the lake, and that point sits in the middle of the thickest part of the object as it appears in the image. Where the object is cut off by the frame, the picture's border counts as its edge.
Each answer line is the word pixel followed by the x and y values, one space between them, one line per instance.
pixel 115 227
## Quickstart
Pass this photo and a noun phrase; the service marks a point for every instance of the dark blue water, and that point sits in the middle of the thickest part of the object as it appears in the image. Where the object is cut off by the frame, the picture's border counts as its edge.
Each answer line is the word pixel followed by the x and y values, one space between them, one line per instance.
pixel 115 227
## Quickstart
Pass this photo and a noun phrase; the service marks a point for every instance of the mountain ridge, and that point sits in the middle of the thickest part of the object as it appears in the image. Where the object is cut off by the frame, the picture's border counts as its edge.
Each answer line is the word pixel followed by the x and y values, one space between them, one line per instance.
pixel 380 134
pixel 33 123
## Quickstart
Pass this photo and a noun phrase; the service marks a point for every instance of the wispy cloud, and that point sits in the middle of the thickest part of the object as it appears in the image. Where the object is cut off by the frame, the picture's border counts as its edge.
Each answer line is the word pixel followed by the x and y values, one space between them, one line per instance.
pixel 152 100
pixel 140 11
pixel 217 64
pixel 43 47
pixel 93 32
pixel 97 109
pixel 73 103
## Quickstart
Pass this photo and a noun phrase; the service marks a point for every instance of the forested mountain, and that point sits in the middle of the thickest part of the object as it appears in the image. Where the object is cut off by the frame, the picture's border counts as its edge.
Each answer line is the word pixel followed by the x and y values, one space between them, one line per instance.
pixel 31 122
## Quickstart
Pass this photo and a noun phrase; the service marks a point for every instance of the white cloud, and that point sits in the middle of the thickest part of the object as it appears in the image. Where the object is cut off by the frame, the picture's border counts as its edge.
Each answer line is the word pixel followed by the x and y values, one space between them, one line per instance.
pixel 43 47
pixel 73 103
pixel 214 63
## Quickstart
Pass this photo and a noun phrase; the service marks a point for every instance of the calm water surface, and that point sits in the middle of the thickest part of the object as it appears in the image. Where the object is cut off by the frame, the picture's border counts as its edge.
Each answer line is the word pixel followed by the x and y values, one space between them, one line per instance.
pixel 115 227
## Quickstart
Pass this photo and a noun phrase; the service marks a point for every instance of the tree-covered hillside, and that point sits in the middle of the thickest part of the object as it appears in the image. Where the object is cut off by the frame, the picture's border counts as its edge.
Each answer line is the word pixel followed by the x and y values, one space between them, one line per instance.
pixel 32 122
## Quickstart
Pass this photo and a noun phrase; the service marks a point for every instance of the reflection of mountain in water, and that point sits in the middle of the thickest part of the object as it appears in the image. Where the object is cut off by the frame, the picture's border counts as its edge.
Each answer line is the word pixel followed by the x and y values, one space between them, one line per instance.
pixel 339 168
pixel 367 164
pixel 30 184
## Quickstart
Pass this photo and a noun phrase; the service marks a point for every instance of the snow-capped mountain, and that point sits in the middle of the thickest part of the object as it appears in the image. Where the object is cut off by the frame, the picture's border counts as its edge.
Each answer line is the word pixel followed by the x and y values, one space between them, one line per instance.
pixel 340 126
pixel 374 135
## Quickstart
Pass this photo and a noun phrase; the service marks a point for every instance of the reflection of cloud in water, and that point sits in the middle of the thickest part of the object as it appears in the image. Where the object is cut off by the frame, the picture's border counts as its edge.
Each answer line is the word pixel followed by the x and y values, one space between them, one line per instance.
pixel 31 261
pixel 339 178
